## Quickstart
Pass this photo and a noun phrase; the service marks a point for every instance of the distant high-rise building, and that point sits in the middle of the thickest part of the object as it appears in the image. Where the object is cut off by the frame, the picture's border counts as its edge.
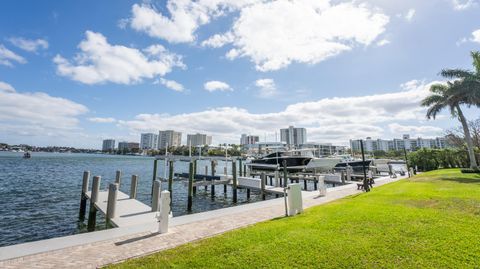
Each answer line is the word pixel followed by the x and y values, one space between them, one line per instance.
pixel 411 144
pixel 249 139
pixel 198 139
pixel 128 146
pixel 108 145
pixel 149 141
pixel 170 138
pixel 293 136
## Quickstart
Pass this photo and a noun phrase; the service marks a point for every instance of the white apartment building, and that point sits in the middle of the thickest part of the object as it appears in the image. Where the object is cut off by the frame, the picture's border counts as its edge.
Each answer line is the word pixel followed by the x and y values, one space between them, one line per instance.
pixel 249 139
pixel 411 144
pixel 108 145
pixel 293 136
pixel 170 138
pixel 149 141
pixel 198 140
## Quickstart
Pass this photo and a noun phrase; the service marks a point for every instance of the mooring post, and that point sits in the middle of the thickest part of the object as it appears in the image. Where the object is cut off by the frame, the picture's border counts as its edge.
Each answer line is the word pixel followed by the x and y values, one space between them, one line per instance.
pixel 133 187
pixel 342 177
pixel 206 173
pixel 83 198
pixel 285 174
pixel 234 185
pixel 111 203
pixel 194 173
pixel 225 170
pixel 315 181
pixel 276 178
pixel 244 170
pixel 263 179
pixel 163 215
pixel 190 187
pixel 118 177
pixel 92 215
pixel 304 183
pixel 170 181
pixel 155 162
pixel 240 167
pixel 213 183
pixel 157 186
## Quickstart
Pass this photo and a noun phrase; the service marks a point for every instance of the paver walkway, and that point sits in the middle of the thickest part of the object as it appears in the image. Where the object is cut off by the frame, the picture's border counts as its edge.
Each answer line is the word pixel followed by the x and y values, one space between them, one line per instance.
pixel 115 250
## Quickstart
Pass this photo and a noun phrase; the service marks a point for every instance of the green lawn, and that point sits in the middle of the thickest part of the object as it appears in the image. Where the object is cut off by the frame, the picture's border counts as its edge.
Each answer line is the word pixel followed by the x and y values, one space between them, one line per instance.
pixel 429 221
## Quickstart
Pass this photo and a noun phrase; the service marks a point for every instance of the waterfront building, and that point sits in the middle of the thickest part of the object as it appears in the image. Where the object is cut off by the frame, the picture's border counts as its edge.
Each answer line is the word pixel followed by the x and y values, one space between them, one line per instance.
pixel 170 138
pixel 198 140
pixel 293 136
pixel 108 145
pixel 149 141
pixel 128 146
pixel 406 142
pixel 324 149
pixel 249 139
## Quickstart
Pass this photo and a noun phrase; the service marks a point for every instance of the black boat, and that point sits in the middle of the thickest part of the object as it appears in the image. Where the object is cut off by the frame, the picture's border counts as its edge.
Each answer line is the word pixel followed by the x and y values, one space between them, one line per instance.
pixel 295 162
pixel 27 155
pixel 357 165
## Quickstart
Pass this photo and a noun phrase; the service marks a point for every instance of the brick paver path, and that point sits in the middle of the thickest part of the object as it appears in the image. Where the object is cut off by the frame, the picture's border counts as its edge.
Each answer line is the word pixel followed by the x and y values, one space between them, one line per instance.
pixel 111 251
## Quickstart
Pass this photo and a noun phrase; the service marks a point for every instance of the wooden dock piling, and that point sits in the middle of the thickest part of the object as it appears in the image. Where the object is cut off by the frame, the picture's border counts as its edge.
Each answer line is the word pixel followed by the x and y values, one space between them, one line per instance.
pixel 112 203
pixel 194 173
pixel 206 173
pixel 190 187
pixel 263 179
pixel 240 167
pixel 133 187
pixel 285 174
pixel 83 198
pixel 118 177
pixel 244 170
pixel 155 164
pixel 157 185
pixel 212 193
pixel 92 215
pixel 170 181
pixel 234 179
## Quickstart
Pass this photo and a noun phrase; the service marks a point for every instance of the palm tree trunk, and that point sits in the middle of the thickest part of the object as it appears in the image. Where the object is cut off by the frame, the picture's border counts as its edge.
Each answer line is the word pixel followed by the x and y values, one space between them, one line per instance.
pixel 468 138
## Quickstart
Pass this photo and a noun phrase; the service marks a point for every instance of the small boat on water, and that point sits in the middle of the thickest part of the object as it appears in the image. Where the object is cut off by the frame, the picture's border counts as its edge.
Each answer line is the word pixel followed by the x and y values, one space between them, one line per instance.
pixel 27 155
pixel 295 161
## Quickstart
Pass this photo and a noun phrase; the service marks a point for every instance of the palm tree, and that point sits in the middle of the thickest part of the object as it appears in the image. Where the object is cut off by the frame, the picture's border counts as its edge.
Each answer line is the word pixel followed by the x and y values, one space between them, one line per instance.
pixel 464 90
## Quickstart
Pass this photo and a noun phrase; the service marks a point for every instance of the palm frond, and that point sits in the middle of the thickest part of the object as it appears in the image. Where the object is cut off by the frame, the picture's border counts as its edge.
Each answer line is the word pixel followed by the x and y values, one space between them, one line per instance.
pixel 476 61
pixel 432 111
pixel 433 99
pixel 456 73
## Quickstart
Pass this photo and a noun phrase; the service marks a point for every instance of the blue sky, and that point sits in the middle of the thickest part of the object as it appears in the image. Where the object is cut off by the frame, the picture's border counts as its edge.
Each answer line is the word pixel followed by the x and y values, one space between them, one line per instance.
pixel 73 73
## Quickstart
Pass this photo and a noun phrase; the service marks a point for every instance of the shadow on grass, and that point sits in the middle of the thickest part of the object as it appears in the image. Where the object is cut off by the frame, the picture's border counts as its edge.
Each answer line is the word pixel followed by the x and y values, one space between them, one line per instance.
pixel 475 180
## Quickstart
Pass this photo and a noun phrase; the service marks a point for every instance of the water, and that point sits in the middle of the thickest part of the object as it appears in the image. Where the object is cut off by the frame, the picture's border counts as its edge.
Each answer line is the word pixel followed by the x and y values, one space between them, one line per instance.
pixel 39 197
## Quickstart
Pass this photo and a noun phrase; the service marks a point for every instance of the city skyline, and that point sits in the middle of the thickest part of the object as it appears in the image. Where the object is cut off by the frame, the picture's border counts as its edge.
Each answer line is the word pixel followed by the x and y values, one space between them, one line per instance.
pixel 119 74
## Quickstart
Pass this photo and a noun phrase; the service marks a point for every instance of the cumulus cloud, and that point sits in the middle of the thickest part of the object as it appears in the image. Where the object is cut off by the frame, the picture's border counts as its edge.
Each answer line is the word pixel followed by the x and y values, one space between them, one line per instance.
pixel 396 128
pixel 264 32
pixel 6 87
pixel 383 42
pixel 329 119
pixel 38 114
pixel 102 120
pixel 267 87
pixel 7 57
pixel 171 84
pixel 216 85
pixel 463 4
pixel 100 62
pixel 475 36
pixel 30 45
pixel 409 16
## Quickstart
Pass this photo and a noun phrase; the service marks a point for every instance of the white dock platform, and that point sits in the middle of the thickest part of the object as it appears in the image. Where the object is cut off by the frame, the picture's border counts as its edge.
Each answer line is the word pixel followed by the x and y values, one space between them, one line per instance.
pixel 129 211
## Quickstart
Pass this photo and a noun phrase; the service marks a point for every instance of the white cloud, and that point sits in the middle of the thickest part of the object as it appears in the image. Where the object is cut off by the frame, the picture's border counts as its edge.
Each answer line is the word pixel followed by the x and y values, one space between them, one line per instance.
pixel 267 87
pixel 30 45
pixel 7 57
pixel 6 87
pixel 476 36
pixel 38 114
pixel 397 129
pixel 264 31
pixel 327 120
pixel 100 62
pixel 102 120
pixel 383 42
pixel 410 14
pixel 216 85
pixel 172 85
pixel 463 4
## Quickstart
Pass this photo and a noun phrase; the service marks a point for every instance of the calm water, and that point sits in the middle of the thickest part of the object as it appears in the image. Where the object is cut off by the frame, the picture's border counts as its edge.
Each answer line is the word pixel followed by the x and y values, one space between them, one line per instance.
pixel 39 197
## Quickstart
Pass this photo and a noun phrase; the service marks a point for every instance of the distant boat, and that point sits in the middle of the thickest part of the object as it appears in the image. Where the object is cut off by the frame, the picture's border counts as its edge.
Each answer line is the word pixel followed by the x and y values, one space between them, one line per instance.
pixel 27 155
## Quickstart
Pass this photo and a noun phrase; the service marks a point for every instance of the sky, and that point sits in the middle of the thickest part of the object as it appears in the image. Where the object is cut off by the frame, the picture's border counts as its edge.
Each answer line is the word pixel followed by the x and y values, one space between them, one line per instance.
pixel 75 72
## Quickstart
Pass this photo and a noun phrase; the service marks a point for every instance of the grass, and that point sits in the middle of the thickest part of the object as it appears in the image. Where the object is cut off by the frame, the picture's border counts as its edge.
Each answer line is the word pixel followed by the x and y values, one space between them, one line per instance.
pixel 429 221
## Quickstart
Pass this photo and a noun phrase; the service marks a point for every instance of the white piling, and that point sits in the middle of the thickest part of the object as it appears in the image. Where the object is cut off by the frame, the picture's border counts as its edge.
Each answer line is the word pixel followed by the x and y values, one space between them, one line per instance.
pixel 111 202
pixel 294 197
pixel 163 215
pixel 322 189
pixel 133 187
pixel 277 182
pixel 157 185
